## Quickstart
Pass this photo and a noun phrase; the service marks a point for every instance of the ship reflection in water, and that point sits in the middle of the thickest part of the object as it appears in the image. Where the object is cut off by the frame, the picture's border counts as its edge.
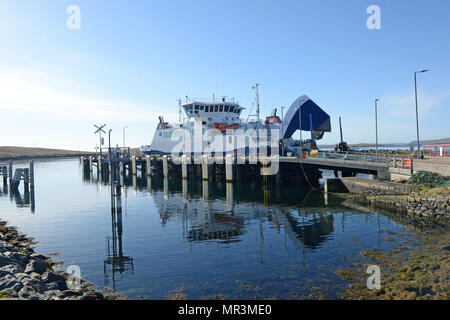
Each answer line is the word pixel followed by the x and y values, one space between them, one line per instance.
pixel 196 238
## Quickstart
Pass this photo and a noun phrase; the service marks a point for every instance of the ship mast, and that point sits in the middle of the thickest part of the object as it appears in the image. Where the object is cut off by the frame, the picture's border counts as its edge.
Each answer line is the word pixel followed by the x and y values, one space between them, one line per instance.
pixel 257 101
pixel 179 111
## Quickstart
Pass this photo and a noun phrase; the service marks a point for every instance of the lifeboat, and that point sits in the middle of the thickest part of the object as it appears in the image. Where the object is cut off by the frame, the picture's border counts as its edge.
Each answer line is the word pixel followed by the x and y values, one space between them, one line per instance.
pixel 224 127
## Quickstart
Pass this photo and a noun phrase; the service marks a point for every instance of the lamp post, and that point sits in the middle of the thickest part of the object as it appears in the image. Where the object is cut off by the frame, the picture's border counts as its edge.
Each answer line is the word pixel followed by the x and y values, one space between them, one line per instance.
pixel 282 131
pixel 123 131
pixel 109 144
pixel 417 111
pixel 376 127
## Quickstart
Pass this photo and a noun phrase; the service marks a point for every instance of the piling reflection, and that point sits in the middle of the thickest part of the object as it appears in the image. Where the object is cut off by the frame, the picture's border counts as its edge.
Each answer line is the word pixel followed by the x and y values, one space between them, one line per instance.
pixel 116 262
pixel 207 209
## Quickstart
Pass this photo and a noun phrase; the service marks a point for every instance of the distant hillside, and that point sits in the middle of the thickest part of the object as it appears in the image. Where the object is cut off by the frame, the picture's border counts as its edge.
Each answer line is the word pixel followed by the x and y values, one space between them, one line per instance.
pixel 32 153
pixel 435 141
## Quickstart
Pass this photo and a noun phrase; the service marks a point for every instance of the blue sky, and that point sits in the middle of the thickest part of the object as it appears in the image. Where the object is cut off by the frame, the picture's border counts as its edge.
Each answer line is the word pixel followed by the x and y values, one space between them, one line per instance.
pixel 131 60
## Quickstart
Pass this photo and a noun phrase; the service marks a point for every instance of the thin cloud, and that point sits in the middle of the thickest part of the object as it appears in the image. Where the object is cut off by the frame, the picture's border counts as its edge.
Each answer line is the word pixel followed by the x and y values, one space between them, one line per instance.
pixel 404 104
pixel 41 95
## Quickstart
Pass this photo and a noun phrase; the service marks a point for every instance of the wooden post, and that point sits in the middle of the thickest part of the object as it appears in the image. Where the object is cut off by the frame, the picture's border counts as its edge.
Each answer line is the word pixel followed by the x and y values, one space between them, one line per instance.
pixel 184 171
pixel 32 174
pixel 205 171
pixel 10 170
pixel 184 189
pixel 148 166
pixel 166 188
pixel 229 163
pixel 90 164
pixel 99 166
pixel 165 167
pixel 229 195
pixel 133 165
pixel 205 190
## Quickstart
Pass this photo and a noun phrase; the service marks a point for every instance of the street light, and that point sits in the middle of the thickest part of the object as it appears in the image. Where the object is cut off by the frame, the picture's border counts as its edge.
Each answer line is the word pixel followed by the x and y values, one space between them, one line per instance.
pixel 124 135
pixel 417 111
pixel 376 128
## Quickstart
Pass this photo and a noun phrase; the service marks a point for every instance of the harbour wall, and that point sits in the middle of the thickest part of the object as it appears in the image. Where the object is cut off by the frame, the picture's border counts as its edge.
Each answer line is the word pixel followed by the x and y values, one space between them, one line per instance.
pixel 397 197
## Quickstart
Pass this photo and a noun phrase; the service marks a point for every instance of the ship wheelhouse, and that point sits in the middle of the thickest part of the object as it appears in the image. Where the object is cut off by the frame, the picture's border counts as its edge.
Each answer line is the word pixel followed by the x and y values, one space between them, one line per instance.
pixel 213 112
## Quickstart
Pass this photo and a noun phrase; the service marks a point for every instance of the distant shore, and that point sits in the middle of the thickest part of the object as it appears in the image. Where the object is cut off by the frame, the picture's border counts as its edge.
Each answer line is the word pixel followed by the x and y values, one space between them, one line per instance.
pixel 24 153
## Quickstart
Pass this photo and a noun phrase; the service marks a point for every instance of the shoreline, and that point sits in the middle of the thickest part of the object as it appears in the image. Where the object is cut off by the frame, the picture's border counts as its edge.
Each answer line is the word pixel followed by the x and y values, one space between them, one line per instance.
pixel 27 275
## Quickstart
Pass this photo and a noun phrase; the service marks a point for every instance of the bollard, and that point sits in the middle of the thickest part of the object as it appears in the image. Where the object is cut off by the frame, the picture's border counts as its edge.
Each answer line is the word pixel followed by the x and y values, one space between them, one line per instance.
pixel 229 162
pixel 184 171
pixel 165 167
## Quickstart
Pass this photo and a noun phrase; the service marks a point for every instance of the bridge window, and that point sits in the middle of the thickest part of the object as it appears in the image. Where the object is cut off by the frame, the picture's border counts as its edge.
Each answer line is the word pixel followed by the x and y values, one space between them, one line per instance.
pixel 197 107
pixel 232 109
pixel 221 109
pixel 227 108
pixel 216 109
pixel 202 107
pixel 206 108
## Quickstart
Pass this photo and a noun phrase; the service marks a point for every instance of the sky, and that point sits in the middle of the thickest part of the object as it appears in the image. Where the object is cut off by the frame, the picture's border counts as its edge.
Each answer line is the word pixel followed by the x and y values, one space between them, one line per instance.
pixel 130 61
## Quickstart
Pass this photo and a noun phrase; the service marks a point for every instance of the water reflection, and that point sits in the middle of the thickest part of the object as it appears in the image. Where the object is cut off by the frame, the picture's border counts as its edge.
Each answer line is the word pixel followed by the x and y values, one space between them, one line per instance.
pixel 116 261
pixel 22 200
pixel 207 209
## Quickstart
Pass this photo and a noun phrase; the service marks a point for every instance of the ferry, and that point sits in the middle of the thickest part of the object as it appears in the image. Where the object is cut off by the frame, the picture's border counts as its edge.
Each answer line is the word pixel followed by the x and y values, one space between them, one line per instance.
pixel 217 128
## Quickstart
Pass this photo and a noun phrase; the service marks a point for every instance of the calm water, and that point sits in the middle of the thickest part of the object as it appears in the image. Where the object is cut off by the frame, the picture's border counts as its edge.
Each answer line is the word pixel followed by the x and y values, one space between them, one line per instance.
pixel 201 240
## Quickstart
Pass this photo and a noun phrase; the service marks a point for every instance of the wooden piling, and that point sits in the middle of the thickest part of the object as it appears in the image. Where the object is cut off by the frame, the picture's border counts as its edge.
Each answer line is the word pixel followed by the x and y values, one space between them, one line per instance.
pixel 184 171
pixel 205 169
pixel 165 167
pixel 148 166
pixel 133 165
pixel 31 174
pixel 229 163
pixel 10 171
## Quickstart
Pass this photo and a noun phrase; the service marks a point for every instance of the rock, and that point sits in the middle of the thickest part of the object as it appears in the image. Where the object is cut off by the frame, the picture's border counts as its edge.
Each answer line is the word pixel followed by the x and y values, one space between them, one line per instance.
pixel 6 246
pixel 52 279
pixel 13 268
pixel 71 293
pixel 4 273
pixel 54 293
pixel 37 266
pixel 37 256
pixel 21 258
pixel 35 275
pixel 9 282
pixel 22 276
pixel 28 293
pixel 4 261
pixel 31 282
